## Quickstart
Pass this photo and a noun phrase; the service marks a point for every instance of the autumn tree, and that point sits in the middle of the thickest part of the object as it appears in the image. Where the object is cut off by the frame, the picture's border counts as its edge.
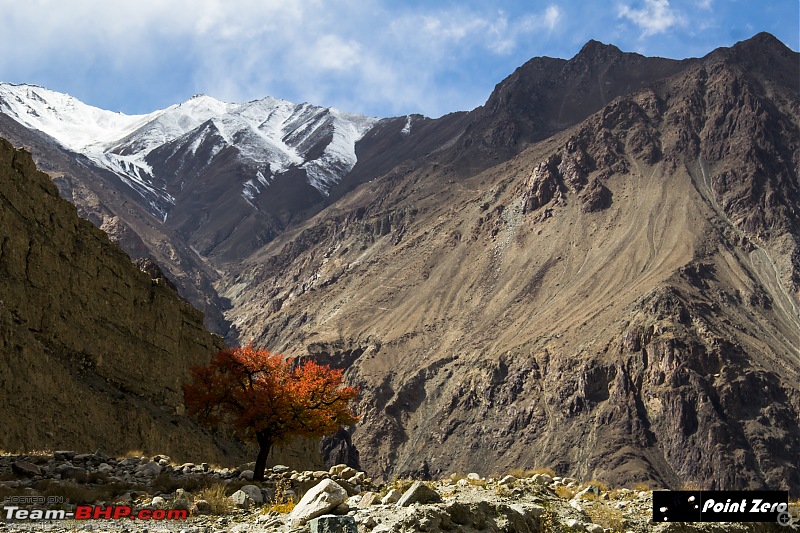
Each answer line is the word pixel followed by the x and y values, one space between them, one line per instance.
pixel 266 397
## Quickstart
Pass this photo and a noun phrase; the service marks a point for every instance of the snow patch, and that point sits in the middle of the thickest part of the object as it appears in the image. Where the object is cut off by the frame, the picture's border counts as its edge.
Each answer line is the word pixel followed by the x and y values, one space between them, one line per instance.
pixel 407 128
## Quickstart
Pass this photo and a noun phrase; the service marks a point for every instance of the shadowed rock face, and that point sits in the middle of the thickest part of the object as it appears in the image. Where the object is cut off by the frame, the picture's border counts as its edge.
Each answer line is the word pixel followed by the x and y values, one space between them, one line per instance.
pixel 618 301
pixel 94 351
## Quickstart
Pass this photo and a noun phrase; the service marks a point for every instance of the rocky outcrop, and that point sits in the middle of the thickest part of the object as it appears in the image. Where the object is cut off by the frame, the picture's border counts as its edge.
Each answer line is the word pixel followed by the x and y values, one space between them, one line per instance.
pixel 94 351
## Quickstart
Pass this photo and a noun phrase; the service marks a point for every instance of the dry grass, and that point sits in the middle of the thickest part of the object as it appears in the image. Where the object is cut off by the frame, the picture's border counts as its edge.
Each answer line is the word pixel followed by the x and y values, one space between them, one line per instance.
pixel 522 473
pixel 607 517
pixel 564 492
pixel 402 484
pixel 280 503
pixel 618 494
pixel 130 454
pixel 217 499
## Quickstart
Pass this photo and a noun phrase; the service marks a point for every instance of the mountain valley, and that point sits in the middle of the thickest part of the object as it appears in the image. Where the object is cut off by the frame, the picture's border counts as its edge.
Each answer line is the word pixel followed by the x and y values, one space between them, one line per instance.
pixel 598 271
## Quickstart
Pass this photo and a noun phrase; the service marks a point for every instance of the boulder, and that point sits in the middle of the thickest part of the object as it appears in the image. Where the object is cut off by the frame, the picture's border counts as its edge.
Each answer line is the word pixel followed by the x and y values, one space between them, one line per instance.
pixel 64 455
pixel 319 500
pixel 393 496
pixel 202 507
pixel 150 469
pixel 241 500
pixel 158 502
pixel 588 492
pixel 419 493
pixel 530 509
pixel 25 469
pixel 254 493
pixel 573 524
pixel 333 524
pixel 368 499
pixel 74 473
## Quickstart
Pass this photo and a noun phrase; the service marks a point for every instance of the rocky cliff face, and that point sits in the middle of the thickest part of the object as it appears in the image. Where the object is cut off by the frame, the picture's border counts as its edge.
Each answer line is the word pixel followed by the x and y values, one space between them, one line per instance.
pixel 94 351
pixel 617 301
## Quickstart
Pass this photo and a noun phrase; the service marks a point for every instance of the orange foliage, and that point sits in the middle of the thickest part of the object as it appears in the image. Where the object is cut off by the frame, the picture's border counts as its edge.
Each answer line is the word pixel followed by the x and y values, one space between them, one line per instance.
pixel 264 396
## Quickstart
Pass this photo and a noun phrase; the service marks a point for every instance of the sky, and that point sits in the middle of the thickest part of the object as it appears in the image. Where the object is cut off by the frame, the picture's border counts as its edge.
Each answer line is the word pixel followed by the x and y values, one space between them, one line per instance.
pixel 375 57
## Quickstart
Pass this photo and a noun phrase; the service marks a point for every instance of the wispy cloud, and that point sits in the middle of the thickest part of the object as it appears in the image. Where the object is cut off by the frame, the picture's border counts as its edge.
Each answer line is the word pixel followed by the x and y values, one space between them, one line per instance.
pixel 657 16
pixel 370 50
pixel 370 56
pixel 505 35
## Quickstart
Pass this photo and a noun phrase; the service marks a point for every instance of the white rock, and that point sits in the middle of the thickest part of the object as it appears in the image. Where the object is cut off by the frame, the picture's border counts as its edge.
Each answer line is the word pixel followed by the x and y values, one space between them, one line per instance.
pixel 574 524
pixel 240 499
pixel 508 480
pixel 419 493
pixel 393 496
pixel 526 510
pixel 320 499
pixel 157 501
pixel 472 476
pixel 594 528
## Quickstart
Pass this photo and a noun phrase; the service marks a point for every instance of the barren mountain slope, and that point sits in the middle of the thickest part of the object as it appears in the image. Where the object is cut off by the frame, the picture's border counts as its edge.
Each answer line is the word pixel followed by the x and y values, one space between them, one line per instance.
pixel 619 301
pixel 203 184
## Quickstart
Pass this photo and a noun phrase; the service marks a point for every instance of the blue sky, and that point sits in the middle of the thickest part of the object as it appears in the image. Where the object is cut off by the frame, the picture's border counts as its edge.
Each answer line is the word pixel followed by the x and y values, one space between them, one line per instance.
pixel 377 57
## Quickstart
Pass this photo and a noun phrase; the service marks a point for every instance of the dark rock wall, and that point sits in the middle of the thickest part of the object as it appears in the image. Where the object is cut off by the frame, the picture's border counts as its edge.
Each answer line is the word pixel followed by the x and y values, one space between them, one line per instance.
pixel 93 351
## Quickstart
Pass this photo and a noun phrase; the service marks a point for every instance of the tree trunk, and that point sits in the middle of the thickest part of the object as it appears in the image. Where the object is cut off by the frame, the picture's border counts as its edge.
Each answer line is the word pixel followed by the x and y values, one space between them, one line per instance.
pixel 264 439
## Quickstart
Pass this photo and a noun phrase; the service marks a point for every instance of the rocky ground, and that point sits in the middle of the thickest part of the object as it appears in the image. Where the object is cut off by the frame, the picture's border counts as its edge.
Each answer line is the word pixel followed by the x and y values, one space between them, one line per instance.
pixel 228 500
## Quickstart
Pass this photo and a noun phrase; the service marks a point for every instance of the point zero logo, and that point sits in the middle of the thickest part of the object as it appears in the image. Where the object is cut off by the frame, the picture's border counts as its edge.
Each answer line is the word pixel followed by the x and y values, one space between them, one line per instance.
pixel 721 506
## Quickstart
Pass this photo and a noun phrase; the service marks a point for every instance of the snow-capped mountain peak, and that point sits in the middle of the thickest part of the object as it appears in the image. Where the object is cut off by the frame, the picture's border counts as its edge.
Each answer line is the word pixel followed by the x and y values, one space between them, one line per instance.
pixel 271 136
pixel 72 123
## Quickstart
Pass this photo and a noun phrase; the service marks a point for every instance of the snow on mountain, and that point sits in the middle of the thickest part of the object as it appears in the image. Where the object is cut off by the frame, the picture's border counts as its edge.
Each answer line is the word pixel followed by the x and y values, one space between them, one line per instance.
pixel 271 136
pixel 72 123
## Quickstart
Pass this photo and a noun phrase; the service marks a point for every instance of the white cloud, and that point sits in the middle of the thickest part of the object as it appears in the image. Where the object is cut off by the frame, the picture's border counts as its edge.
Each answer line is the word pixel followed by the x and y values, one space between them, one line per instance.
pixel 705 4
pixel 552 16
pixel 365 54
pixel 655 17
